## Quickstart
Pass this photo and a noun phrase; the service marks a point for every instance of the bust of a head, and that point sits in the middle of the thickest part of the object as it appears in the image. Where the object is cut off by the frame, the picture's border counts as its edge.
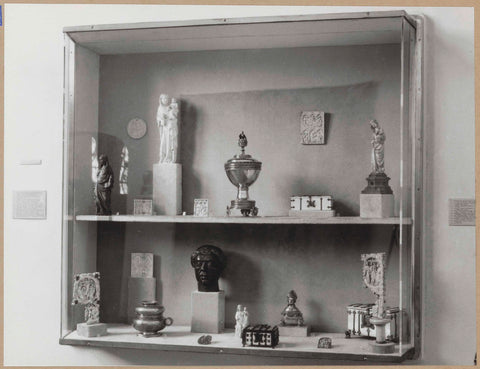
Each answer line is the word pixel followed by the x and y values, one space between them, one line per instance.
pixel 208 262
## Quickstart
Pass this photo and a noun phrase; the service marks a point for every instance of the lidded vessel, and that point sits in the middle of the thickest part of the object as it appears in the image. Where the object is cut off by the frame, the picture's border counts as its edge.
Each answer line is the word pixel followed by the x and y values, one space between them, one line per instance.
pixel 243 170
pixel 149 320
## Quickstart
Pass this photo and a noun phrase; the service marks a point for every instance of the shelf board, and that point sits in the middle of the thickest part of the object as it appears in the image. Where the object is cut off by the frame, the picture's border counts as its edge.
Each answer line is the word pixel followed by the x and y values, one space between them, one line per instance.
pixel 179 338
pixel 240 219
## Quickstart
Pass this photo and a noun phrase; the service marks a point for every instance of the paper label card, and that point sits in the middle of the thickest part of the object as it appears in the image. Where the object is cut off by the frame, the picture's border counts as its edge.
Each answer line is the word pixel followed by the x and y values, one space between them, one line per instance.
pixel 29 204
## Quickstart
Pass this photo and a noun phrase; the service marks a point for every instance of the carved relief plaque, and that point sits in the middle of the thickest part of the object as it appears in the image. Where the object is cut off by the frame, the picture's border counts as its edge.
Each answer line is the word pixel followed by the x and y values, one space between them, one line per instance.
pixel 142 265
pixel 312 127
pixel 86 291
pixel 200 208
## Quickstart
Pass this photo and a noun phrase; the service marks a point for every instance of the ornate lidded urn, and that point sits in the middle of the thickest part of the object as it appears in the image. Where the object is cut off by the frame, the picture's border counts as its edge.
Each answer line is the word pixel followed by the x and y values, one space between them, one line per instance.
pixel 242 170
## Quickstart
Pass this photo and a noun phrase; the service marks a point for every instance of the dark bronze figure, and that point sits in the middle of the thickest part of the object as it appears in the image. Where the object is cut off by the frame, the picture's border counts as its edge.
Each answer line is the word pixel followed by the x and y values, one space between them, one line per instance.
pixel 209 262
pixel 103 187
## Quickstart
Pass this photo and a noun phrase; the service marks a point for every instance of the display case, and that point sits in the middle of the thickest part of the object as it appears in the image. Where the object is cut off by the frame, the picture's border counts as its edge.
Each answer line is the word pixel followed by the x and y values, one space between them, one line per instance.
pixel 267 78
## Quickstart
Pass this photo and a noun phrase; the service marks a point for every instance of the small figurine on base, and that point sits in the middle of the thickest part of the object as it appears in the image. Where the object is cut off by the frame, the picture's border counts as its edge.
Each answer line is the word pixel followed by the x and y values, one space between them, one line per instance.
pixel 103 186
pixel 292 319
pixel 376 200
pixel 86 291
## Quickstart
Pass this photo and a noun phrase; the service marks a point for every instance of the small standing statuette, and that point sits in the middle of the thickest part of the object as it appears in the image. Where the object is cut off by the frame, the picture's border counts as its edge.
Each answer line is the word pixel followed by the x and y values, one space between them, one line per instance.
pixel 103 186
pixel 238 321
pixel 291 315
pixel 348 333
pixel 325 342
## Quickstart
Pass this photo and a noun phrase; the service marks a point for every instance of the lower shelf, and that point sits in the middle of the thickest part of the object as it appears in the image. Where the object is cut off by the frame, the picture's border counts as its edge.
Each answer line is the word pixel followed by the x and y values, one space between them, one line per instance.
pixel 179 338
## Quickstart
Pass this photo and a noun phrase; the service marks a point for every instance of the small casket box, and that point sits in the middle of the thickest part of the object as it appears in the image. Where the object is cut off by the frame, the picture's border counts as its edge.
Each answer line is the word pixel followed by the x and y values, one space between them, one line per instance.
pixel 260 335
pixel 359 322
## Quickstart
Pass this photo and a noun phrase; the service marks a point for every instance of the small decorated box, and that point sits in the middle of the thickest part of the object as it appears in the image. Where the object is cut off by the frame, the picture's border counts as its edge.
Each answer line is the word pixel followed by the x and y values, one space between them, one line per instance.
pixel 358 320
pixel 260 335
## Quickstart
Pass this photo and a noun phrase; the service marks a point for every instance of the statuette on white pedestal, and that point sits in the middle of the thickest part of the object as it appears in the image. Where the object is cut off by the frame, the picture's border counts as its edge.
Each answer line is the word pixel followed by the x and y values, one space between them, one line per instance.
pixel 168 126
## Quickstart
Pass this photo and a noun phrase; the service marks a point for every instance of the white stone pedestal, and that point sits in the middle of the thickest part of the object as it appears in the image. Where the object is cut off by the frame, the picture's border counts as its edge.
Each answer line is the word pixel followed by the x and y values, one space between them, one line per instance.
pixel 376 205
pixel 208 312
pixel 294 330
pixel 140 289
pixel 167 188
pixel 91 330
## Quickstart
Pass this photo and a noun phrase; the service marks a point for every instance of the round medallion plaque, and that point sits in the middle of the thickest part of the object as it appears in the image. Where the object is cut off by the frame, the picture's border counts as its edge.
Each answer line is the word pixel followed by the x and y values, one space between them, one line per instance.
pixel 137 128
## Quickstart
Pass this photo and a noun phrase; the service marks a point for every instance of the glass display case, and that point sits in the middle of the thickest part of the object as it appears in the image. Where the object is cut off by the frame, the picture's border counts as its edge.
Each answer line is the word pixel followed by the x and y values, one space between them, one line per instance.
pixel 325 108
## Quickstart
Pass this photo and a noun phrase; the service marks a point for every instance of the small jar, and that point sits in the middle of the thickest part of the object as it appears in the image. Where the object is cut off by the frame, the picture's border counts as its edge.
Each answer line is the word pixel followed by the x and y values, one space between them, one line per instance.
pixel 149 320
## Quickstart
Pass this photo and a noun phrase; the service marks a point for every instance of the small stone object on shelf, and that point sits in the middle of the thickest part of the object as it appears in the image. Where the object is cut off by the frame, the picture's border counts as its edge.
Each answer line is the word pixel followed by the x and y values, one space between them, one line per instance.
pixel 325 342
pixel 205 339
pixel 200 207
pixel 208 262
pixel 348 333
pixel 103 186
pixel 86 291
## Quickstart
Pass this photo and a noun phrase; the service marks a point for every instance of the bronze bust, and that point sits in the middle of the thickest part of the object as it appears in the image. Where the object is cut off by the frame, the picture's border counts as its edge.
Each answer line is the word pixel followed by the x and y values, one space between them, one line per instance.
pixel 208 262
pixel 291 315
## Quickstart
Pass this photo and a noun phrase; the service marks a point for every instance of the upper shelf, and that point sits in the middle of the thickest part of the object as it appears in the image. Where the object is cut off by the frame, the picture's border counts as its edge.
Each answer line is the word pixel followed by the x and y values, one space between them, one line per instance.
pixel 240 219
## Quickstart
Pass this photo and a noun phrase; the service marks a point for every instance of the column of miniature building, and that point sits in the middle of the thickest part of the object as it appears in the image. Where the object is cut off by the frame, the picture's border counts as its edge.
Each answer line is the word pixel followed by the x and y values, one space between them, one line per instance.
pixel 86 291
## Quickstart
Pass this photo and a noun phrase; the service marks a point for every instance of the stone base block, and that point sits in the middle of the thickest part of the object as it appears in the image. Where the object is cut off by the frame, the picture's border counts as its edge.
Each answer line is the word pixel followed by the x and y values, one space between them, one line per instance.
pixel 167 188
pixel 208 312
pixel 294 330
pixel 139 289
pixel 376 205
pixel 311 213
pixel 91 330
pixel 383 348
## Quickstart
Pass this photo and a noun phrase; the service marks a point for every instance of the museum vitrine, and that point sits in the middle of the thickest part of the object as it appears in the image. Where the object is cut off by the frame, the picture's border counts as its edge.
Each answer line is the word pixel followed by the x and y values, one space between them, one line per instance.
pixel 291 144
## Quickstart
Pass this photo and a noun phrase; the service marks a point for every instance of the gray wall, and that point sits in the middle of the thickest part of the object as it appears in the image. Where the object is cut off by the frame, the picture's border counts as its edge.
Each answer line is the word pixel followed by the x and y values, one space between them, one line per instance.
pixel 262 92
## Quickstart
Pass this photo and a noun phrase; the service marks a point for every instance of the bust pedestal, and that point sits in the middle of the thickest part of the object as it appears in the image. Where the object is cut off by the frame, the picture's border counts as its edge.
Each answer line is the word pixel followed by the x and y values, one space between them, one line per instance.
pixel 294 330
pixel 139 289
pixel 208 312
pixel 376 200
pixel 167 188
pixel 91 330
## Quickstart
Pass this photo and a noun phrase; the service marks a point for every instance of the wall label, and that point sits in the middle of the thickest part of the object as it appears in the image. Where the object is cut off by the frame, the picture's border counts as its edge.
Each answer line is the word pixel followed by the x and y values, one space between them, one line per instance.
pixel 461 212
pixel 29 204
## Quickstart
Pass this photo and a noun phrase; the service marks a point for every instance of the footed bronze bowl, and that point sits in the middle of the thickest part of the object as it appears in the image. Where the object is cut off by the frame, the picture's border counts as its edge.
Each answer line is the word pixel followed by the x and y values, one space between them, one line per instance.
pixel 242 170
